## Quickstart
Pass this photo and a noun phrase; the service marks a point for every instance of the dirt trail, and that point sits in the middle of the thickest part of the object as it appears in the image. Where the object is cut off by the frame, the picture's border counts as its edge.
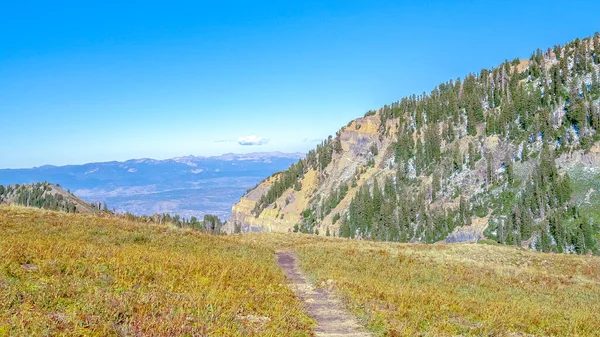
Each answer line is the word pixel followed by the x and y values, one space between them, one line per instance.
pixel 328 311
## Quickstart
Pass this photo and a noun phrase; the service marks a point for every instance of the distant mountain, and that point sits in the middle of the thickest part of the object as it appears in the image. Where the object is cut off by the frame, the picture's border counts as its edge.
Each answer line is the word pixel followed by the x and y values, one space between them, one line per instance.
pixel 188 186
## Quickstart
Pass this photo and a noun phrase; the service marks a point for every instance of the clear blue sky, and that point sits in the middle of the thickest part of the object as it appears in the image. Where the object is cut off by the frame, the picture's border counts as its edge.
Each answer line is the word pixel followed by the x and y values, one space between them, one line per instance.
pixel 125 79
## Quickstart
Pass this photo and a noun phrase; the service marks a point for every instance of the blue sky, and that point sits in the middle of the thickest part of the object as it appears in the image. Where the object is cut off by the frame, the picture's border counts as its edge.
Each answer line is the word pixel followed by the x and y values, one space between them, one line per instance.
pixel 113 81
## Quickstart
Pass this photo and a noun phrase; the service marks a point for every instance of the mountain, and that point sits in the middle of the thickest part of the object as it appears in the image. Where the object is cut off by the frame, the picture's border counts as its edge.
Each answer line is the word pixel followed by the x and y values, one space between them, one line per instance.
pixel 188 186
pixel 508 154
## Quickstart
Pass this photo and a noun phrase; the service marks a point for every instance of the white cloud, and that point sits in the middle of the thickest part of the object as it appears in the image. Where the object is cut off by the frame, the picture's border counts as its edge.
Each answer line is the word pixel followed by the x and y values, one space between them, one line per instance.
pixel 313 140
pixel 252 140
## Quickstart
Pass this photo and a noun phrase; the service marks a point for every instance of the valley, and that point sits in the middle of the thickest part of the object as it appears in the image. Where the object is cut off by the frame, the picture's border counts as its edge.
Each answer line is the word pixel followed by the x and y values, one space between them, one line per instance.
pixel 187 186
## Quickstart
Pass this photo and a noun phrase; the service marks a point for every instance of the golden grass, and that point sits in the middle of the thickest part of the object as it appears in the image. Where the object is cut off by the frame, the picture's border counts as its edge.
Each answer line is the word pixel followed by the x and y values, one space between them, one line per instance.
pixel 450 290
pixel 64 274
pixel 81 275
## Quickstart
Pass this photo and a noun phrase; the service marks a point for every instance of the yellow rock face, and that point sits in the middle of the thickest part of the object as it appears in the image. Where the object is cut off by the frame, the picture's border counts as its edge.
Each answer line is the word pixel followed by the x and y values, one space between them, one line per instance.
pixel 286 211
pixel 283 214
pixel 367 125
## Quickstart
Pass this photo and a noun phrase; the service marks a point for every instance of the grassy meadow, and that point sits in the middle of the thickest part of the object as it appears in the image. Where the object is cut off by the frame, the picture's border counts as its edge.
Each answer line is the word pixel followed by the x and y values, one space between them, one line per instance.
pixel 78 275
pixel 452 289
pixel 84 275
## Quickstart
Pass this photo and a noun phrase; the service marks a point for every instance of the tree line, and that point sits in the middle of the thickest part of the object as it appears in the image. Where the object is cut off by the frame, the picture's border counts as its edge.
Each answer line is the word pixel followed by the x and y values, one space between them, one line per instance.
pixel 41 195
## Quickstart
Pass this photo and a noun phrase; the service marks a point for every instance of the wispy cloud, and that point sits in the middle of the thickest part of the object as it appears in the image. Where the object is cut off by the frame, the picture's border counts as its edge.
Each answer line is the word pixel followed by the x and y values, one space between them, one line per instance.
pixel 252 140
pixel 312 140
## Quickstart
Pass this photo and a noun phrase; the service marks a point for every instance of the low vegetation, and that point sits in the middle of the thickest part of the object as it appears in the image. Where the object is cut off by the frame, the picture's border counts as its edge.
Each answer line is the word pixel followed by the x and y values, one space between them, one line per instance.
pixel 89 275
pixel 452 289
pixel 73 274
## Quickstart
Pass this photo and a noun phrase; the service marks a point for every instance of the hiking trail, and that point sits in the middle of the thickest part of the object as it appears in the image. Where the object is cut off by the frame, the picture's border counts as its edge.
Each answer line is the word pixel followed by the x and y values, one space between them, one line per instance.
pixel 332 319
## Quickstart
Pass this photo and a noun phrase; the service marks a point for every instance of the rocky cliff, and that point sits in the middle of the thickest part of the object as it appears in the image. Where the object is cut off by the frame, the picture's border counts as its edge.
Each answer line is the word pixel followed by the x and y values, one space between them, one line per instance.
pixel 357 139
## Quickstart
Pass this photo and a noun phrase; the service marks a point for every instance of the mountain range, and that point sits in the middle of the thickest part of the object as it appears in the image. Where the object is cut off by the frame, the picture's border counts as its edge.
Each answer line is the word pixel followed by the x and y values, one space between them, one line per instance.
pixel 187 186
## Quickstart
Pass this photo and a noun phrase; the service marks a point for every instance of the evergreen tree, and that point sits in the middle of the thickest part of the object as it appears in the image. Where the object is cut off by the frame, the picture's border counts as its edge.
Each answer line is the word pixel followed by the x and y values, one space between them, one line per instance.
pixel 435 185
pixel 545 243
pixel 472 155
pixel 489 159
pixel 471 123
pixel 510 176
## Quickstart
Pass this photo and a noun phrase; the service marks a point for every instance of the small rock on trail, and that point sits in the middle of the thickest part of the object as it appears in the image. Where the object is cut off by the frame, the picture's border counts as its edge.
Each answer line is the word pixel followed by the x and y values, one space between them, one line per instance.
pixel 332 319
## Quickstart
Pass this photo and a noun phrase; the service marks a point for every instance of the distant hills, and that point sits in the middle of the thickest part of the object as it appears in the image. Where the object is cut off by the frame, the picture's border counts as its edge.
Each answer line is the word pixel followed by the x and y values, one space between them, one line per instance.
pixel 45 195
pixel 188 186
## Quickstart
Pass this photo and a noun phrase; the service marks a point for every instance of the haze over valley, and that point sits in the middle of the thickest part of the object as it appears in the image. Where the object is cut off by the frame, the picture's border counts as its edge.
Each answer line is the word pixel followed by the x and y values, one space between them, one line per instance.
pixel 187 186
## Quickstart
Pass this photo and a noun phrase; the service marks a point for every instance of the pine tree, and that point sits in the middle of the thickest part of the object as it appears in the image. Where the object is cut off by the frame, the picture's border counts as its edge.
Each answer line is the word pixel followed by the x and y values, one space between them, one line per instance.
pixel 435 185
pixel 471 123
pixel 597 48
pixel 509 232
pixel 489 159
pixel 588 234
pixel 457 157
pixel 510 176
pixel 471 155
pixel 464 212
pixel 524 154
pixel 545 243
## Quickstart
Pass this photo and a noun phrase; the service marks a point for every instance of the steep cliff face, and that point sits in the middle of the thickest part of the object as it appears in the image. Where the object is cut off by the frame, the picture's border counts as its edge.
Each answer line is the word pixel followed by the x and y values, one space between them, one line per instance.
pixel 488 156
pixel 356 140
pixel 366 155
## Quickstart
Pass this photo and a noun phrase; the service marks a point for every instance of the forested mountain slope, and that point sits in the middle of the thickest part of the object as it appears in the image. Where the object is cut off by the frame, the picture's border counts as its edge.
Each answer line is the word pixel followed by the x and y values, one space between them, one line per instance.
pixel 508 154
pixel 47 196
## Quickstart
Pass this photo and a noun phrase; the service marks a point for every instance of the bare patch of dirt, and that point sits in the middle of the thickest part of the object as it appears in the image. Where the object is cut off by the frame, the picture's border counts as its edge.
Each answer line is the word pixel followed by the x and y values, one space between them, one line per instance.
pixel 332 319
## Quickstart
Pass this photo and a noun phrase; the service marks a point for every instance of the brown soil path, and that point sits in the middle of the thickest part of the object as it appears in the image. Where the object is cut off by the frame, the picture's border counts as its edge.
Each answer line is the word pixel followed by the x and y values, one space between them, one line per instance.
pixel 326 309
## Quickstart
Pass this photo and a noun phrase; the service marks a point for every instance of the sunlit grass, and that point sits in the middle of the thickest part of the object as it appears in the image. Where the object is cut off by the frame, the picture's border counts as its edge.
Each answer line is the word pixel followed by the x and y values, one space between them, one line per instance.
pixel 82 275
pixel 450 290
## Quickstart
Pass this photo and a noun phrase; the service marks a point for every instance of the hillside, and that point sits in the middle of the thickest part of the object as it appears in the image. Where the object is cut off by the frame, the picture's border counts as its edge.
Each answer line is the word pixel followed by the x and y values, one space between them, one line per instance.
pixel 45 195
pixel 85 275
pixel 491 156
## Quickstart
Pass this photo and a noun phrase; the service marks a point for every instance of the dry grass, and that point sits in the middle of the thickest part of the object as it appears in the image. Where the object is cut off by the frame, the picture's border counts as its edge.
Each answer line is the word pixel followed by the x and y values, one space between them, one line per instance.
pixel 450 290
pixel 82 275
